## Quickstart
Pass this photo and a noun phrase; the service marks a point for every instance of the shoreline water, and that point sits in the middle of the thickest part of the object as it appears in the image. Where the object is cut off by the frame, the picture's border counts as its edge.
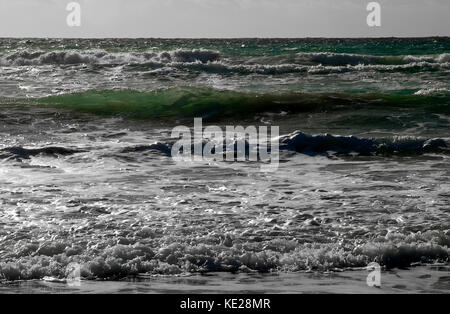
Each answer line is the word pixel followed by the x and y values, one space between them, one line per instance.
pixel 420 279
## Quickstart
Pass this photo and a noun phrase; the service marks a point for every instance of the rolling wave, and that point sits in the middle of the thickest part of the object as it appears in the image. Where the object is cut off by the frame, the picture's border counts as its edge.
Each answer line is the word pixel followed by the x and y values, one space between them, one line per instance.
pixel 329 144
pixel 19 153
pixel 188 102
pixel 299 142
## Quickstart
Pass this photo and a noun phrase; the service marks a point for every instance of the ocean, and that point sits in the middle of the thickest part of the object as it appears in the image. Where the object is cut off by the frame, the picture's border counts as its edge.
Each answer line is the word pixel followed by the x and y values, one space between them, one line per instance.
pixel 87 176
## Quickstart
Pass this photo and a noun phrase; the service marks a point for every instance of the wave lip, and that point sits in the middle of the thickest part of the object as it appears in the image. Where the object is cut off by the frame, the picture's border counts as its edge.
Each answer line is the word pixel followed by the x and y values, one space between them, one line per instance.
pixel 284 63
pixel 20 153
pixel 322 145
pixel 163 148
pixel 196 55
pixel 329 144
pixel 433 91
pixel 442 58
pixel 67 57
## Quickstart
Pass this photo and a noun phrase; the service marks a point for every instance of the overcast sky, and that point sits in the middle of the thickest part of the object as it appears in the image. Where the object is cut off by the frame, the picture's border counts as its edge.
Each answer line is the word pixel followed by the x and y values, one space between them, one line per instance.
pixel 223 18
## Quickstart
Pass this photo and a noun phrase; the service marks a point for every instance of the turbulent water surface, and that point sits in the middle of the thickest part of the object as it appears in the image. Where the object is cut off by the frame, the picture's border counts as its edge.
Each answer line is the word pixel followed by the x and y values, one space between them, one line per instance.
pixel 363 174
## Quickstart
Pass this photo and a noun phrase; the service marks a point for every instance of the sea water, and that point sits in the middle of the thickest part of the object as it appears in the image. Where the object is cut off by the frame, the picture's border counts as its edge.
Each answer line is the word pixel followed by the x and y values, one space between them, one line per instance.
pixel 363 173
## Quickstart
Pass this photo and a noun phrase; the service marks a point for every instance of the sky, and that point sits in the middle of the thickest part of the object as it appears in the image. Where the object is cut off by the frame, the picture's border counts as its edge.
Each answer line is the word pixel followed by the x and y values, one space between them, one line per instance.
pixel 224 18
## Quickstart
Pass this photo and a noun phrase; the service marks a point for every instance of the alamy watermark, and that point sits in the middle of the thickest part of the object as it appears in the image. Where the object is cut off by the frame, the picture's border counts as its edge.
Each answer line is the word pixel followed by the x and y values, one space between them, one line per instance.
pixel 235 143
pixel 374 17
pixel 74 17
pixel 73 275
pixel 374 277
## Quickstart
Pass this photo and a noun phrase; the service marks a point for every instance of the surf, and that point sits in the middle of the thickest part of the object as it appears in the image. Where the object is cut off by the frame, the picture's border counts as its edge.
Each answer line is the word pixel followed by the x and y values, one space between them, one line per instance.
pixel 209 103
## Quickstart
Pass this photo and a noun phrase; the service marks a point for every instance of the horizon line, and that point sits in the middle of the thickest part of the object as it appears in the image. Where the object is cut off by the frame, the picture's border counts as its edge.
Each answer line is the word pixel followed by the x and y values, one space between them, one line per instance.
pixel 228 38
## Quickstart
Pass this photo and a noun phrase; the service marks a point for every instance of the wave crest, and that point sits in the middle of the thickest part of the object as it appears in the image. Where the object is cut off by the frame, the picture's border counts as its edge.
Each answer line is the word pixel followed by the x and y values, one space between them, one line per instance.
pixel 101 57
pixel 209 103
pixel 329 144
pixel 212 61
pixel 20 153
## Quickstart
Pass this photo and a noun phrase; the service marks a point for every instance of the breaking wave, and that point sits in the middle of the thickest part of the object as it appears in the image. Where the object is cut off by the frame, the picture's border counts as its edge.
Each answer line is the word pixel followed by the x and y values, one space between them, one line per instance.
pixel 345 145
pixel 299 142
pixel 329 145
pixel 25 57
pixel 212 61
pixel 20 153
pixel 36 261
